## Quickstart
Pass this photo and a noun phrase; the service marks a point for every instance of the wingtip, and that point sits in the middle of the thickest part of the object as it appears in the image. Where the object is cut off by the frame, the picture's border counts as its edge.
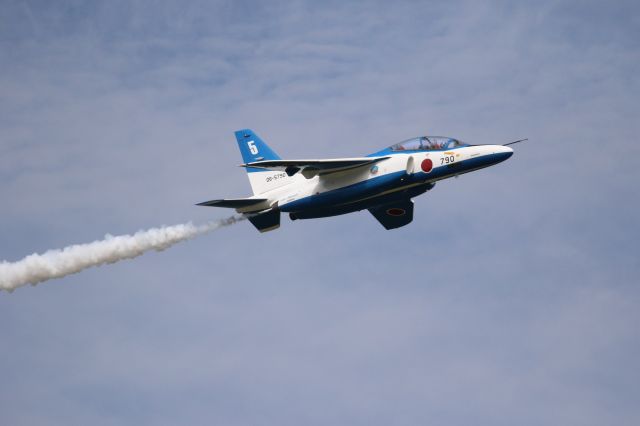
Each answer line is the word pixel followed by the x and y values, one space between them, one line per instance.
pixel 206 203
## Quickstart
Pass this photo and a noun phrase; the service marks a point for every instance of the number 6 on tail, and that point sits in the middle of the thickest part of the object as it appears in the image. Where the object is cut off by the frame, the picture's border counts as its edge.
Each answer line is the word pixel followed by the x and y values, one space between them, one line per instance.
pixel 252 147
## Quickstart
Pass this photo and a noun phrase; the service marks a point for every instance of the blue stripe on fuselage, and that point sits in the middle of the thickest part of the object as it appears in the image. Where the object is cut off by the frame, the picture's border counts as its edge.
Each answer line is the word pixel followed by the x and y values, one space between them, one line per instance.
pixel 388 151
pixel 346 194
pixel 397 196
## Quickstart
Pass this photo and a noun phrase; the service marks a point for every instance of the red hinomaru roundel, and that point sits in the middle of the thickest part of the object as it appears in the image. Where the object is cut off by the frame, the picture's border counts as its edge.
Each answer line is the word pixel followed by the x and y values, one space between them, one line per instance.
pixel 396 212
pixel 426 165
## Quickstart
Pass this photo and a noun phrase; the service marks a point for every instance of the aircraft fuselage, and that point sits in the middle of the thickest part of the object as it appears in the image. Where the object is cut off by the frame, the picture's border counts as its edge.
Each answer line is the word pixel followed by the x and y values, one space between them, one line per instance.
pixel 403 175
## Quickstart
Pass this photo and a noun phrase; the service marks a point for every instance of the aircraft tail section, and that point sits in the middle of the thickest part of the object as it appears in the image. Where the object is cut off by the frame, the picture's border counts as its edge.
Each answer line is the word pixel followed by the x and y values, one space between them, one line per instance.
pixel 253 149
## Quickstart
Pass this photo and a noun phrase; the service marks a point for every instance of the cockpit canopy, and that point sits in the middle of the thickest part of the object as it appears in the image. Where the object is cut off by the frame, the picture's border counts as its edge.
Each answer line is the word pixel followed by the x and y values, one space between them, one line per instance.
pixel 427 143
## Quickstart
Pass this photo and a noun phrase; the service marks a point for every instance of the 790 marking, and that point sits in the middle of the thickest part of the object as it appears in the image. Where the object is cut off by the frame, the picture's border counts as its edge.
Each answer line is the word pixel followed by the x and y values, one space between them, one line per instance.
pixel 447 160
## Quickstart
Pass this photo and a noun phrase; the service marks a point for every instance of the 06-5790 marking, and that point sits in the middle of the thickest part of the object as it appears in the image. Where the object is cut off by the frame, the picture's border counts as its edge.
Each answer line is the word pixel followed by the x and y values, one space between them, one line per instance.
pixel 276 177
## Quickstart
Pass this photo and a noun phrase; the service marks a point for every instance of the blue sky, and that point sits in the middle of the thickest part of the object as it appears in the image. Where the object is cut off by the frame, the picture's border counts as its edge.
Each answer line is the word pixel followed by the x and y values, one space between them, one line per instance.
pixel 511 299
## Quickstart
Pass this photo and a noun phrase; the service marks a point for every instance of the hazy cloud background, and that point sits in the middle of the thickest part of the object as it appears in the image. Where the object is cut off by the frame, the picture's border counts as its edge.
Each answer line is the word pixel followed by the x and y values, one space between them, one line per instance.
pixel 511 299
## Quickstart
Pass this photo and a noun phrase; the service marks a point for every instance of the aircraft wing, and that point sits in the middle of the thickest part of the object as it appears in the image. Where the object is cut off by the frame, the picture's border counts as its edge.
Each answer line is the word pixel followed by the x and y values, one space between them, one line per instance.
pixel 234 203
pixel 311 168
pixel 394 215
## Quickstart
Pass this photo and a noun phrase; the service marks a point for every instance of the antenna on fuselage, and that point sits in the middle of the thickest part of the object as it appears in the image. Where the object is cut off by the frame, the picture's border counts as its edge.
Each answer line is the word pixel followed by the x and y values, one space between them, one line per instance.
pixel 518 141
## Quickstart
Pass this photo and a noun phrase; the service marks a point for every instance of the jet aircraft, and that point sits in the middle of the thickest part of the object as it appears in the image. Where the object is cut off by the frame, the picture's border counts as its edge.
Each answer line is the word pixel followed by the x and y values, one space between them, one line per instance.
pixel 383 182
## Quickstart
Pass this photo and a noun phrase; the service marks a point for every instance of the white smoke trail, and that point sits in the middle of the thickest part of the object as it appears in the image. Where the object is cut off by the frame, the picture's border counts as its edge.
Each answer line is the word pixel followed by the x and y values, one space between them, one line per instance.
pixel 36 268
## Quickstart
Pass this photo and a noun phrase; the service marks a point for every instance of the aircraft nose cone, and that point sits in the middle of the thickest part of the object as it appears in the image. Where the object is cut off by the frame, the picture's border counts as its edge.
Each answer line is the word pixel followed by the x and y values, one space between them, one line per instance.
pixel 508 151
pixel 503 152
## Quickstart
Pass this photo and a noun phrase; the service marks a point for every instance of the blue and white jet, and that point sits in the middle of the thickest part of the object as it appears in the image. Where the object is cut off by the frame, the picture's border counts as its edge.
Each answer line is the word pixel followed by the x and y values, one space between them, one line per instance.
pixel 383 182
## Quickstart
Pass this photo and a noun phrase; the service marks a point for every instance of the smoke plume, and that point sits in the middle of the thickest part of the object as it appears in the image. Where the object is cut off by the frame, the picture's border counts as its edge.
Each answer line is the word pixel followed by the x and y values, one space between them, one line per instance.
pixel 36 268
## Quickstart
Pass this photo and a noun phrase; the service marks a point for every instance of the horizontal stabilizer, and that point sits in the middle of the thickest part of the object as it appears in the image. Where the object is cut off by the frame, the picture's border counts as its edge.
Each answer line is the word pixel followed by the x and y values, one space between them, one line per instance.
pixel 311 168
pixel 234 203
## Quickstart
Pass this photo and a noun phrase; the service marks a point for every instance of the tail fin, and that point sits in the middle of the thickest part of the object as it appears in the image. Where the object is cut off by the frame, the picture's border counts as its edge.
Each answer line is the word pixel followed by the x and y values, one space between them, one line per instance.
pixel 253 149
